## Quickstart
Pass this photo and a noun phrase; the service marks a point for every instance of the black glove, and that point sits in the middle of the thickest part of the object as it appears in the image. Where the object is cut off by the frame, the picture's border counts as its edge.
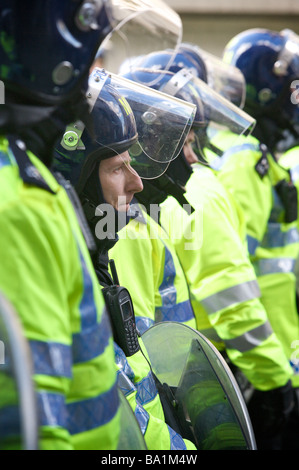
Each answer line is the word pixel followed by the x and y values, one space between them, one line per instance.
pixel 269 412
pixel 291 433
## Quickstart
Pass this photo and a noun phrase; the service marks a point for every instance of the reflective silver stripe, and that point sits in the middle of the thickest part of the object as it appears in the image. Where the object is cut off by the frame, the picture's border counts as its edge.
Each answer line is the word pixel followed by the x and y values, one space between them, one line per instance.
pixel 124 383
pixel 252 244
pixel 219 162
pixel 274 266
pixel 143 323
pixel 211 334
pixel 295 173
pixel 233 295
pixel 250 339
pixel 275 237
pixel 142 417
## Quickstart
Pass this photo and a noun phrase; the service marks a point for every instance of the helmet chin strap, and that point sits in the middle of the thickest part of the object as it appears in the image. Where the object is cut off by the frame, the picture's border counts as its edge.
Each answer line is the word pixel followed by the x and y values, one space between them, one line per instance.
pixel 267 132
pixel 171 183
pixel 157 190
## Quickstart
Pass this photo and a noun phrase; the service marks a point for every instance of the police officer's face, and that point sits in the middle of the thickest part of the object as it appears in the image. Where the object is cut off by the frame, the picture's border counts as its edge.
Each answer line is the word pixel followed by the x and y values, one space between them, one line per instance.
pixel 189 153
pixel 119 181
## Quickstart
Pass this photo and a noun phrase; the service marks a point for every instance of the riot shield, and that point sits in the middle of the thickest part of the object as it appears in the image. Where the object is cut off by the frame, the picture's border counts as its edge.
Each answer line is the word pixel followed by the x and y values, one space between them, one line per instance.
pixel 130 437
pixel 18 413
pixel 205 398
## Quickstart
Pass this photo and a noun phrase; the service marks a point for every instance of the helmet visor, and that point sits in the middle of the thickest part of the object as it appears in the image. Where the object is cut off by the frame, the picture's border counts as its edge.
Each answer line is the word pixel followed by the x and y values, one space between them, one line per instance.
pixel 220 113
pixel 225 79
pixel 129 116
pixel 223 119
pixel 163 122
pixel 288 58
pixel 141 27
pixel 215 115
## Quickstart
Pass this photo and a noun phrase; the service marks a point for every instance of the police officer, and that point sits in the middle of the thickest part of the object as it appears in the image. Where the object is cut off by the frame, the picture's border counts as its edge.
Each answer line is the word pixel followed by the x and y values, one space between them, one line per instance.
pixel 269 63
pixel 106 181
pixel 235 291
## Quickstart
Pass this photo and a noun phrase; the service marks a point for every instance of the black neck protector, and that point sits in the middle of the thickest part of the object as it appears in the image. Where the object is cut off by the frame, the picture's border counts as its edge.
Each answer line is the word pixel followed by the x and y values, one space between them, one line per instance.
pixel 171 183
pixel 272 120
pixel 41 126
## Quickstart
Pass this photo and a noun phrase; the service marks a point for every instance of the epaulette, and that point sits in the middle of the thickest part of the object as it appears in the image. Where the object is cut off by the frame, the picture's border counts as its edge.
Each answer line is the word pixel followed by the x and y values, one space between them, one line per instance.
pixel 28 172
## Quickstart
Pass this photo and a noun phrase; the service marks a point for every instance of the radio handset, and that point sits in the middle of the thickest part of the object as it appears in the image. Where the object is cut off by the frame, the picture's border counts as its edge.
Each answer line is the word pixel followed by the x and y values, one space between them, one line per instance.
pixel 121 311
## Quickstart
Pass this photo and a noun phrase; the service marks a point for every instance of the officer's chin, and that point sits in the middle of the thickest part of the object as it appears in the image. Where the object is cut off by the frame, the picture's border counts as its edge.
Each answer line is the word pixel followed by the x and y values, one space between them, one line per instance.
pixel 123 208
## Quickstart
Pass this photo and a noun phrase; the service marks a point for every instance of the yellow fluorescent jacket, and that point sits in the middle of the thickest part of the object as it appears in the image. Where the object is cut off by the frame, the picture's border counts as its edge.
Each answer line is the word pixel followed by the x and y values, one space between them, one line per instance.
pixel 47 274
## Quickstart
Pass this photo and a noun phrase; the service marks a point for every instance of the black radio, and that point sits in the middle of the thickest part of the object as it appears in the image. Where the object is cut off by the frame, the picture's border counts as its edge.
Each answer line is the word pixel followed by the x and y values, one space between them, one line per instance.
pixel 121 312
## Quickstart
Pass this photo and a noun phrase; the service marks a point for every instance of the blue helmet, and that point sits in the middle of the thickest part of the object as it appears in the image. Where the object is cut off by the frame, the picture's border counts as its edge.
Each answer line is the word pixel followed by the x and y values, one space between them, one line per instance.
pixel 47 47
pixel 173 61
pixel 114 132
pixel 269 61
pixel 226 80
pixel 212 109
pixel 126 116
pixel 162 80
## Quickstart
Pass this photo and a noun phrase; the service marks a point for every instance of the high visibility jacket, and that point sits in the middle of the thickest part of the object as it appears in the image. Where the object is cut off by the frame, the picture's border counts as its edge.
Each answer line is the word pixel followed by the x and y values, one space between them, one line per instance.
pixel 253 176
pixel 47 274
pixel 136 381
pixel 147 265
pixel 290 161
pixel 225 293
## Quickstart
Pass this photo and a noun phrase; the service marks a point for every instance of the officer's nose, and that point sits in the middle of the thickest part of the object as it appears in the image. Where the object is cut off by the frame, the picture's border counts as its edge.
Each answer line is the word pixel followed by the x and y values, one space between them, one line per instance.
pixel 189 153
pixel 134 182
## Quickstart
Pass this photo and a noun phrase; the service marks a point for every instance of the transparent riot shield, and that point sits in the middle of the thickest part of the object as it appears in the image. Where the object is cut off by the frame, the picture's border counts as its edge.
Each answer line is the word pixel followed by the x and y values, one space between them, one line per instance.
pixel 205 398
pixel 18 413
pixel 130 437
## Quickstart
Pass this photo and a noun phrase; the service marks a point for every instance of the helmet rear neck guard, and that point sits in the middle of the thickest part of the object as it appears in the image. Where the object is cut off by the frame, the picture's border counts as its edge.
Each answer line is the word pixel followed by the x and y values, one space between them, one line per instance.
pixel 46 50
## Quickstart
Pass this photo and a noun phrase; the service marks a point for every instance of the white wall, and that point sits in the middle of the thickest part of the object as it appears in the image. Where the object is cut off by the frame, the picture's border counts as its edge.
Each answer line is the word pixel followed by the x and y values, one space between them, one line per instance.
pixel 235 6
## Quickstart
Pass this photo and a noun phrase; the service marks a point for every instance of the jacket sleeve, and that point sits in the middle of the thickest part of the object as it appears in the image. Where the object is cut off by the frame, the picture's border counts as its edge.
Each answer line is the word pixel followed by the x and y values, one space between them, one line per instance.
pixel 253 192
pixel 135 259
pixel 46 274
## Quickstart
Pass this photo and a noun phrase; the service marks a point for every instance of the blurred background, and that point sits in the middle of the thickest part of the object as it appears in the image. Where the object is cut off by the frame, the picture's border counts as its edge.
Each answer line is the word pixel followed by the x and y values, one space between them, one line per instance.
pixel 212 23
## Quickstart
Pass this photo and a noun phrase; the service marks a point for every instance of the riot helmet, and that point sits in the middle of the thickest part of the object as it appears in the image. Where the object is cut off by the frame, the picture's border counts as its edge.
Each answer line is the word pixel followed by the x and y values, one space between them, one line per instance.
pixel 128 116
pixel 114 130
pixel 172 60
pixel 46 48
pixel 213 113
pixel 225 79
pixel 269 61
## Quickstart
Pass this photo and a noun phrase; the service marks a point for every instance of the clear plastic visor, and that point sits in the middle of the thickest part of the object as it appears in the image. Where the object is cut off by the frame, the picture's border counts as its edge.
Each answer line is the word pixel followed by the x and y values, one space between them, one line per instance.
pixel 163 122
pixel 225 79
pixel 289 55
pixel 219 116
pixel 140 27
